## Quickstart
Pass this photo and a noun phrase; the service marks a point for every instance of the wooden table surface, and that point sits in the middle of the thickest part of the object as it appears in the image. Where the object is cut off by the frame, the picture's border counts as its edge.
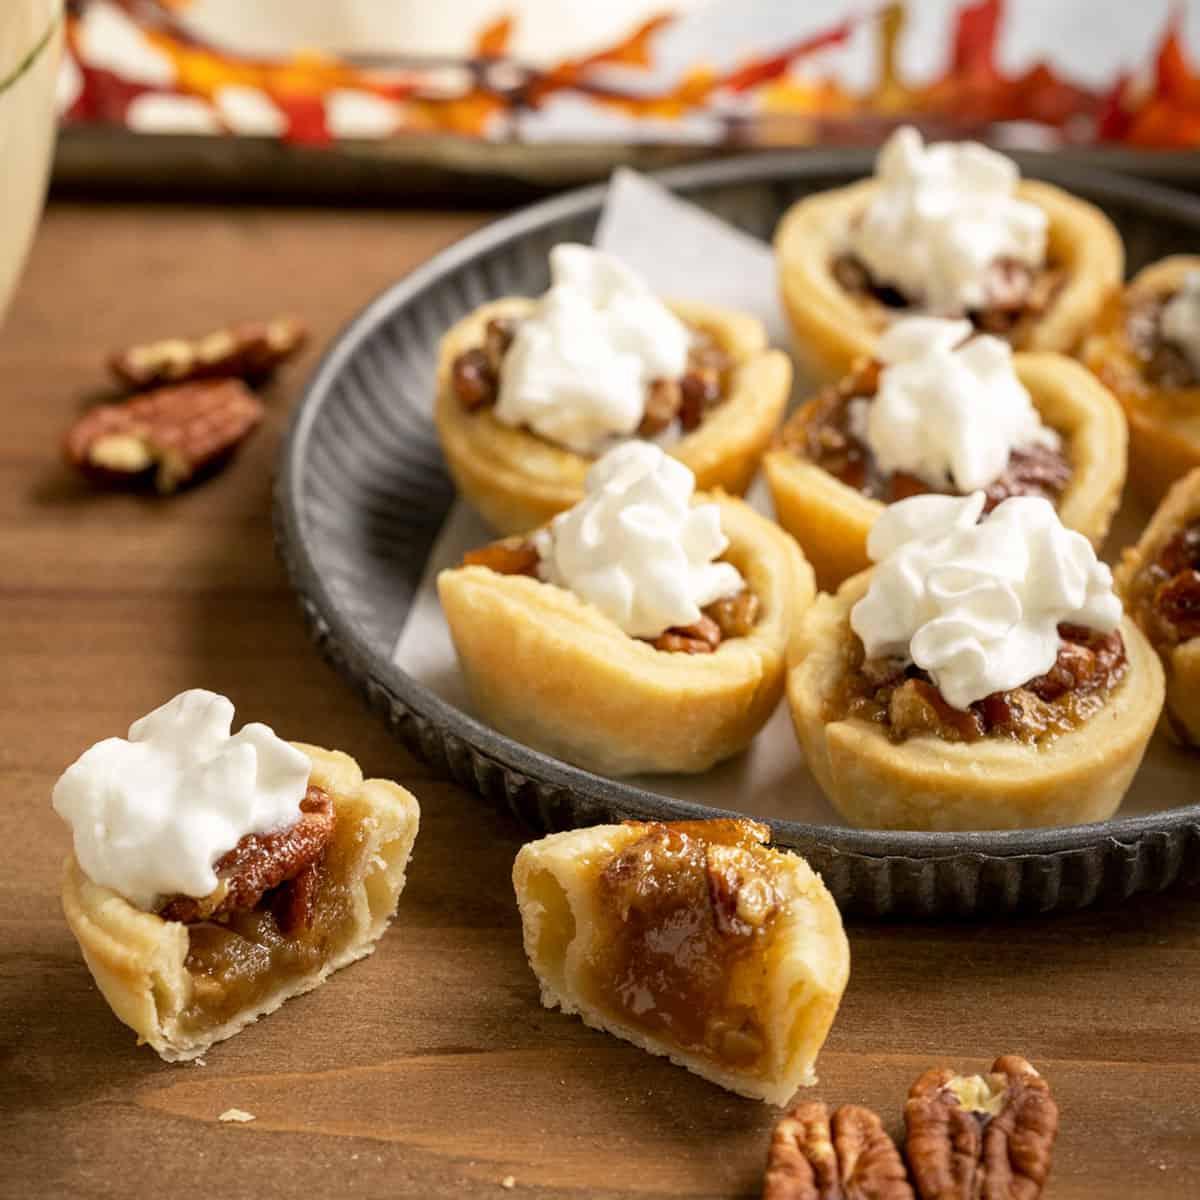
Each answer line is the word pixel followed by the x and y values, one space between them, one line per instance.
pixel 430 1069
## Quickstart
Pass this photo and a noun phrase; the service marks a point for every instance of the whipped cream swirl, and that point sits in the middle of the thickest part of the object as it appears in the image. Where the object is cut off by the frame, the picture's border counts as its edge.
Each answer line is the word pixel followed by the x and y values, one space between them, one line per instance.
pixel 579 365
pixel 152 814
pixel 636 547
pixel 947 413
pixel 943 215
pixel 1180 319
pixel 978 605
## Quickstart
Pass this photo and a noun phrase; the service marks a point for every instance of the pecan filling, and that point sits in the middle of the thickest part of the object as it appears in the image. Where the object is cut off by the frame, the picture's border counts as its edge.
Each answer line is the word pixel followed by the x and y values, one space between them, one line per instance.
pixel 822 433
pixel 730 617
pixel 685 913
pixel 904 700
pixel 1016 293
pixel 1167 590
pixel 475 377
pixel 1161 362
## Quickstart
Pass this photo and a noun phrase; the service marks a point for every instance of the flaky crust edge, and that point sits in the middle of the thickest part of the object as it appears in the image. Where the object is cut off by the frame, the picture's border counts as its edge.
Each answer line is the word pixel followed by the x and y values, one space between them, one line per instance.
pixel 831 328
pixel 518 481
pixel 804 991
pixel 831 520
pixel 554 673
pixel 137 958
pixel 1181 663
pixel 925 783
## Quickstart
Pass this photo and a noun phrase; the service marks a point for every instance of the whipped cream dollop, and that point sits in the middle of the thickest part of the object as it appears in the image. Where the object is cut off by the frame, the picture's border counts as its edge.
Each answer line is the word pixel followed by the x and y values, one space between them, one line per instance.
pixel 943 215
pixel 1180 319
pixel 949 413
pixel 636 547
pixel 152 814
pixel 978 605
pixel 577 370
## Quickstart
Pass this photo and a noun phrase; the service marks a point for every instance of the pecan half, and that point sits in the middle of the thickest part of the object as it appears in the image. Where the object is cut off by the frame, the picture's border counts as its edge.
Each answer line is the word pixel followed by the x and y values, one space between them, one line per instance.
pixel 703 637
pixel 850 1157
pixel 171 435
pixel 250 350
pixel 263 861
pixel 981 1137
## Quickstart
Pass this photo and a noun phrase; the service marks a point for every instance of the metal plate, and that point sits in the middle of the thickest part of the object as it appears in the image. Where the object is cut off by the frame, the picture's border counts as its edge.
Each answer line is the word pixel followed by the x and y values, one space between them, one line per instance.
pixel 362 491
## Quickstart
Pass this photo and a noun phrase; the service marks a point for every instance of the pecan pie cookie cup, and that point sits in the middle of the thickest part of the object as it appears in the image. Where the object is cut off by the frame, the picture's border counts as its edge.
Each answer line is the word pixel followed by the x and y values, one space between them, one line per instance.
pixel 831 517
pixel 518 480
pixel 1159 581
pixel 555 673
pixel 995 781
pixel 836 325
pixel 183 982
pixel 693 940
pixel 1153 379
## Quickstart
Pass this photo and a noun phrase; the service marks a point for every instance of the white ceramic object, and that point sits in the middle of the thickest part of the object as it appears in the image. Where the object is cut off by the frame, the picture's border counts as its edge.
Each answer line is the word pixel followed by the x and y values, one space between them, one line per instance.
pixel 31 33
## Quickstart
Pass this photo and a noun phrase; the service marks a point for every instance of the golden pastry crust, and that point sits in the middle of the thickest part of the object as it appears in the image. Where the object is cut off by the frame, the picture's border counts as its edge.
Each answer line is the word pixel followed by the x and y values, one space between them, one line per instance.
pixel 1164 423
pixel 930 784
pixel 1181 662
pixel 831 520
pixel 555 673
pixel 798 990
pixel 518 481
pixel 833 329
pixel 137 958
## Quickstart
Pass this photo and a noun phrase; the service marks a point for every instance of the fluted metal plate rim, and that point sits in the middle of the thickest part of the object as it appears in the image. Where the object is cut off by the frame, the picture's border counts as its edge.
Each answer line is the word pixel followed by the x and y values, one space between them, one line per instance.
pixel 870 872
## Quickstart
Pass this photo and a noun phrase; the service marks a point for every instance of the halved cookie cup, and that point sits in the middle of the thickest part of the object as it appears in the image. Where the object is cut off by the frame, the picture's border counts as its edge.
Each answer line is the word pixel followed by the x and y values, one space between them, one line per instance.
pixel 831 520
pixel 518 481
pixel 768 1015
pixel 1181 660
pixel 927 783
pixel 834 328
pixel 1164 422
pixel 555 673
pixel 140 961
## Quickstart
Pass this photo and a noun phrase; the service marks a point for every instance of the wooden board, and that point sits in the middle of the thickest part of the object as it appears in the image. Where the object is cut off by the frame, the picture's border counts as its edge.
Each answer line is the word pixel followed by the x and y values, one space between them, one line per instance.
pixel 429 1070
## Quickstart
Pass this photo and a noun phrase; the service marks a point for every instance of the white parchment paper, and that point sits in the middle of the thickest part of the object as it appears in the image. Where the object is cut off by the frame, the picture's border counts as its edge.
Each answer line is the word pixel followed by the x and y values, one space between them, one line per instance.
pixel 685 252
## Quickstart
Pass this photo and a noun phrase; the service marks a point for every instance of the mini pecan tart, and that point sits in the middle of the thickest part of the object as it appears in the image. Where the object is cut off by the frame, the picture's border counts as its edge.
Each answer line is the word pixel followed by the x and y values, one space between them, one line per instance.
pixel 530 392
pixel 1146 348
pixel 981 1136
pixel 692 940
pixel 215 877
pixel 941 411
pixel 1159 581
pixel 946 230
pixel 981 676
pixel 639 631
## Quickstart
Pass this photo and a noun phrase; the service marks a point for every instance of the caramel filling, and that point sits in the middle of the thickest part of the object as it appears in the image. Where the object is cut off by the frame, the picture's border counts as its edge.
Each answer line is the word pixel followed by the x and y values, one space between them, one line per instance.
pixel 1166 591
pixel 1161 363
pixel 1017 294
pixel 821 432
pixel 475 377
pixel 685 917
pixel 730 617
pixel 906 703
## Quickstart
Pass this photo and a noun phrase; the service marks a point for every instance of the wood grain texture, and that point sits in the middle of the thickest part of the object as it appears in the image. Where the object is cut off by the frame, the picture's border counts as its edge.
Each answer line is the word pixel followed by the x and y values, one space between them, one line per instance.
pixel 429 1070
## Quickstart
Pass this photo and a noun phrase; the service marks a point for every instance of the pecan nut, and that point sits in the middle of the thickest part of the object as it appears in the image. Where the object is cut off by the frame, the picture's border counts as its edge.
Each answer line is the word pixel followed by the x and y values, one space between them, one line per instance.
pixel 509 556
pixel 171 435
pixel 981 1137
pixel 850 1157
pixel 250 350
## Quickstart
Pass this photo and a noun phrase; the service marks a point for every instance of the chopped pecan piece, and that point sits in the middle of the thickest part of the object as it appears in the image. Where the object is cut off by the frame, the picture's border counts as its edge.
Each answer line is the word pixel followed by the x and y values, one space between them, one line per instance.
pixel 509 556
pixel 917 707
pixel 1179 605
pixel 663 398
pixel 701 638
pixel 250 350
pixel 739 889
pixel 737 615
pixel 261 862
pixel 173 434
pixel 850 1157
pixel 981 1137
pixel 473 380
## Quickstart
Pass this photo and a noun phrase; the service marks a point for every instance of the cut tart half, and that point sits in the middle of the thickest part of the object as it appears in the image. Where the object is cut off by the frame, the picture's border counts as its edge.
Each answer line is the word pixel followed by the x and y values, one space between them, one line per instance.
pixel 518 480
pixel 692 940
pixel 184 984
pixel 1159 582
pixel 819 473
